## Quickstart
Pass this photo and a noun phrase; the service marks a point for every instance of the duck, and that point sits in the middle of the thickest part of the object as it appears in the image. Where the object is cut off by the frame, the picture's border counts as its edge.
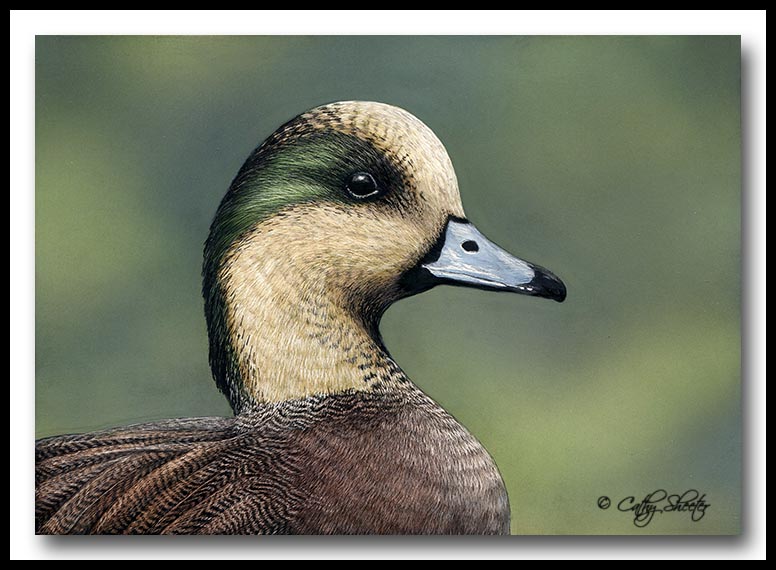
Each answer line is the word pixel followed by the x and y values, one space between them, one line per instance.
pixel 341 212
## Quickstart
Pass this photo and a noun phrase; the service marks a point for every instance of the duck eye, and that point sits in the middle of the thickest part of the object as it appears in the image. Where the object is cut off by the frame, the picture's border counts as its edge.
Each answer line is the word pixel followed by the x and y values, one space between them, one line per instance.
pixel 361 185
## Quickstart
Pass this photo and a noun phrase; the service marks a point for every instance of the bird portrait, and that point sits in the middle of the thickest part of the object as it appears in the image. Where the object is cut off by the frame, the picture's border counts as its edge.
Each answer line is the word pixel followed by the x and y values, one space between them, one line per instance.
pixel 342 211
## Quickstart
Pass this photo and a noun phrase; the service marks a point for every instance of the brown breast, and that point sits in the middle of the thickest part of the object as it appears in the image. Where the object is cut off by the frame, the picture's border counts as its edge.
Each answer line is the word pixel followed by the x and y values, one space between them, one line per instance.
pixel 360 463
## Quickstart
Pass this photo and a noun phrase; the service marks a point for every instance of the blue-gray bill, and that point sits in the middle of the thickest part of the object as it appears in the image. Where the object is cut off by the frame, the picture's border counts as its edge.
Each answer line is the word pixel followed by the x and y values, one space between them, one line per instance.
pixel 467 258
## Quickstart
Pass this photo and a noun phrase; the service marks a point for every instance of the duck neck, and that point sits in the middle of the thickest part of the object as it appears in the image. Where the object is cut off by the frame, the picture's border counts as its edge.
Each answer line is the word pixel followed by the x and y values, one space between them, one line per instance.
pixel 292 337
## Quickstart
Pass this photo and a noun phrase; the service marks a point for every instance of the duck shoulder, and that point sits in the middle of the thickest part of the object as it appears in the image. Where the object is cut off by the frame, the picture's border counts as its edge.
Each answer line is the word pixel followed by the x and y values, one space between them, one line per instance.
pixel 354 463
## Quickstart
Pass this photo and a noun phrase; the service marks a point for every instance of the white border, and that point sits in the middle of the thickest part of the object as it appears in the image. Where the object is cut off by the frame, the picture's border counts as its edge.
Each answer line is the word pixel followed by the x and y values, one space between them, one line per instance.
pixel 24 25
pixel 368 22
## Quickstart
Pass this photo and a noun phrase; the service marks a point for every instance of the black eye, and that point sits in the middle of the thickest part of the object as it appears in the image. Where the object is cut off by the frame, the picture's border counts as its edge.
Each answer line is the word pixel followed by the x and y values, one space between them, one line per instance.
pixel 361 185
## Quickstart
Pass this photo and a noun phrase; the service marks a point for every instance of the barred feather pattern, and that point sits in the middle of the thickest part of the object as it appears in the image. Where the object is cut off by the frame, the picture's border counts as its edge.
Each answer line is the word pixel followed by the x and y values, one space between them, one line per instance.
pixel 353 463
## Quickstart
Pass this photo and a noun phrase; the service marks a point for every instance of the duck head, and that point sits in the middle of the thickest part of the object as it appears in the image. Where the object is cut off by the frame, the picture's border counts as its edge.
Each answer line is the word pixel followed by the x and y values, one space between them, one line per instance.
pixel 342 211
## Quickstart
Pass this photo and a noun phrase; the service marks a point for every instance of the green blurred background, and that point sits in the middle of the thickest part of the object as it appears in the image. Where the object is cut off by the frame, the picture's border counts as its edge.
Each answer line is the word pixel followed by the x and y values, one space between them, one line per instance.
pixel 613 161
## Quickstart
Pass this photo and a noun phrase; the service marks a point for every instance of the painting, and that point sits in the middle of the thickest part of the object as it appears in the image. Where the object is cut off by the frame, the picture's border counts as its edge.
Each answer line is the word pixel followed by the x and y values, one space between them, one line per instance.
pixel 388 285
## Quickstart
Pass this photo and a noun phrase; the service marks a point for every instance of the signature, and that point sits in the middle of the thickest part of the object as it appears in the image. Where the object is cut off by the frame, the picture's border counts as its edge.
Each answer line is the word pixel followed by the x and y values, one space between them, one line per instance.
pixel 661 501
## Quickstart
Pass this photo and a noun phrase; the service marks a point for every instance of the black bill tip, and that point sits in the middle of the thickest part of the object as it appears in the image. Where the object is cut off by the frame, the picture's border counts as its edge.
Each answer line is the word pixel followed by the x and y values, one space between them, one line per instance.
pixel 546 284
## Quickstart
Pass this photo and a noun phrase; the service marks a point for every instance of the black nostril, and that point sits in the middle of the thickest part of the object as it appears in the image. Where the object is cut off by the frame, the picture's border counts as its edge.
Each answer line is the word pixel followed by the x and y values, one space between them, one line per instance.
pixel 470 246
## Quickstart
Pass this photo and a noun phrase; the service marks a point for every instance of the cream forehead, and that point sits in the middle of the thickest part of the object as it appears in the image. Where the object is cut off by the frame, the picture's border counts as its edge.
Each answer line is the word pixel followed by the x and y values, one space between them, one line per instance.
pixel 411 144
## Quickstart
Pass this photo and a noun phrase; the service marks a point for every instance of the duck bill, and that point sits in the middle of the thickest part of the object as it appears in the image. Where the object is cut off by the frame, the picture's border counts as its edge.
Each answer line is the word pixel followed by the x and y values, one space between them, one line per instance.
pixel 465 257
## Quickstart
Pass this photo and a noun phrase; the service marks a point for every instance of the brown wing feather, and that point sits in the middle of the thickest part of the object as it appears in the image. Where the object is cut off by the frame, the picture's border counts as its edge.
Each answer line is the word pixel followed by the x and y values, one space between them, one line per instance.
pixel 180 476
